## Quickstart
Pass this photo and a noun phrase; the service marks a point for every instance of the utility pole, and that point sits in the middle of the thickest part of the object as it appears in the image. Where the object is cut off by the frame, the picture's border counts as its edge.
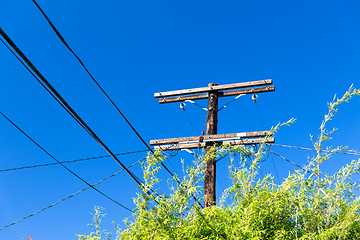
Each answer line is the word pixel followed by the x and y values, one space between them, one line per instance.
pixel 210 165
pixel 212 93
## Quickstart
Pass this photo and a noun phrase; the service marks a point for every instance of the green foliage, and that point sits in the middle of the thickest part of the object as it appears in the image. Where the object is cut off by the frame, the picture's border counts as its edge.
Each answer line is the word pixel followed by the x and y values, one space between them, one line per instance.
pixel 308 204
pixel 98 234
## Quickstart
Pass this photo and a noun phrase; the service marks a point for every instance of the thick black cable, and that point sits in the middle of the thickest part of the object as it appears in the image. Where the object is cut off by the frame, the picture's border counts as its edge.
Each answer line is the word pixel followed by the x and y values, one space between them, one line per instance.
pixel 70 161
pixel 29 70
pixel 56 95
pixel 91 76
pixel 73 173
pixel 102 90
pixel 68 197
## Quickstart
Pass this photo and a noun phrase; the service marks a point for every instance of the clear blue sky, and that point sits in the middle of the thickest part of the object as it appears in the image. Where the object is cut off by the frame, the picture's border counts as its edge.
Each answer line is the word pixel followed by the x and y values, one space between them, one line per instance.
pixel 135 48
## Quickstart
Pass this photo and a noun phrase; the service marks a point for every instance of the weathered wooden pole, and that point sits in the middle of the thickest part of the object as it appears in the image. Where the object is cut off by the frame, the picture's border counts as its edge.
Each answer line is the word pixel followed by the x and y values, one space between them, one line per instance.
pixel 212 92
pixel 210 165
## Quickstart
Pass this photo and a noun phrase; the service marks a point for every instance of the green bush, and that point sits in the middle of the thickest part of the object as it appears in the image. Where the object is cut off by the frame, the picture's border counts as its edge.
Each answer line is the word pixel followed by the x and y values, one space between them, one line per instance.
pixel 308 204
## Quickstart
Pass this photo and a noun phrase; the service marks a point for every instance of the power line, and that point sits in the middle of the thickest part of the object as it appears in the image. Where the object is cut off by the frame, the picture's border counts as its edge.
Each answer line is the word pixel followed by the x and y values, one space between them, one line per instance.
pixel 273 162
pixel 91 76
pixel 102 90
pixel 288 160
pixel 188 118
pixel 259 114
pixel 33 74
pixel 312 149
pixel 227 104
pixel 70 161
pixel 68 197
pixel 263 126
pixel 73 173
pixel 64 104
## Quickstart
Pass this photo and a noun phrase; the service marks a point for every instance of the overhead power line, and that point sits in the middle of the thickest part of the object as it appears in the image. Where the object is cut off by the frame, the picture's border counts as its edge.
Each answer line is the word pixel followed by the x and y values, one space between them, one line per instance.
pixel 312 149
pixel 297 165
pixel 70 161
pixel 88 72
pixel 254 98
pixel 69 170
pixel 68 197
pixel 62 39
pixel 50 89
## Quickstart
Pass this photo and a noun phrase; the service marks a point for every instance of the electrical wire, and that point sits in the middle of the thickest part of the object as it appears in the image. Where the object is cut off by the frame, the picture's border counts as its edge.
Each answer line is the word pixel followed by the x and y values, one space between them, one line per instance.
pixel 260 115
pixel 227 104
pixel 273 162
pixel 188 118
pixel 68 197
pixel 70 161
pixel 263 126
pixel 297 165
pixel 50 89
pixel 28 69
pixel 196 104
pixel 73 173
pixel 102 90
pixel 312 149
pixel 88 72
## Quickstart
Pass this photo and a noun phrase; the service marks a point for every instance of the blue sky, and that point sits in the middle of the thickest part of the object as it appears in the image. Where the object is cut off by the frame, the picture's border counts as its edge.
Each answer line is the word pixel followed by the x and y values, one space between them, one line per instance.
pixel 135 48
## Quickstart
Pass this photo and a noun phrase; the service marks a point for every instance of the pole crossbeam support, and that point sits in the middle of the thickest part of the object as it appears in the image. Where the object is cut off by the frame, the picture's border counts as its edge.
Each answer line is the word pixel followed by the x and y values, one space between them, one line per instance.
pixel 241 142
pixel 213 88
pixel 220 94
pixel 210 138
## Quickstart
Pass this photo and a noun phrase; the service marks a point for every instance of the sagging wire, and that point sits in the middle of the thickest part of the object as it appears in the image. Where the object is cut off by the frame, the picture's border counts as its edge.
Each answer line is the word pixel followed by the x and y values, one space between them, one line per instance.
pixel 196 104
pixel 182 106
pixel 68 197
pixel 349 152
pixel 297 165
pixel 233 100
pixel 255 97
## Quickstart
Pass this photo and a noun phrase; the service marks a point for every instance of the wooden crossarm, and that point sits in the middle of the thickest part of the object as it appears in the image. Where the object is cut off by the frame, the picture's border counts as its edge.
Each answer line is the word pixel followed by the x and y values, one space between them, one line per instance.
pixel 210 138
pixel 203 144
pixel 213 88
pixel 220 94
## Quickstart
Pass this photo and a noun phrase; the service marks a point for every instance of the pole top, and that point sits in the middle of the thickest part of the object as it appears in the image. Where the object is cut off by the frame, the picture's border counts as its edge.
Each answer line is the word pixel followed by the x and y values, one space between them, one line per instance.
pixel 212 84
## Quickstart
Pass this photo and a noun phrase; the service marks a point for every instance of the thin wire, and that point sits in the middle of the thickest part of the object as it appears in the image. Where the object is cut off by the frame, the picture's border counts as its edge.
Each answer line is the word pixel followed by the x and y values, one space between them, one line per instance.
pixel 288 160
pixel 171 165
pixel 218 179
pixel 68 197
pixel 273 162
pixel 312 149
pixel 196 104
pixel 88 72
pixel 73 173
pixel 188 118
pixel 103 91
pixel 70 161
pixel 233 100
pixel 65 105
pixel 263 126
pixel 260 116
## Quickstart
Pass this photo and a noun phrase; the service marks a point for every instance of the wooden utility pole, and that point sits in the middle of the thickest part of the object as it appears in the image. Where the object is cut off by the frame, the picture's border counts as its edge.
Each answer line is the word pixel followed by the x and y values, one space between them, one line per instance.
pixel 210 165
pixel 212 93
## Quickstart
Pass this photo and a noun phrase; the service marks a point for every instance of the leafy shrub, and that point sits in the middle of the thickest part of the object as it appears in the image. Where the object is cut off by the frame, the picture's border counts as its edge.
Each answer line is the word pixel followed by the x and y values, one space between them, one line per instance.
pixel 308 204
